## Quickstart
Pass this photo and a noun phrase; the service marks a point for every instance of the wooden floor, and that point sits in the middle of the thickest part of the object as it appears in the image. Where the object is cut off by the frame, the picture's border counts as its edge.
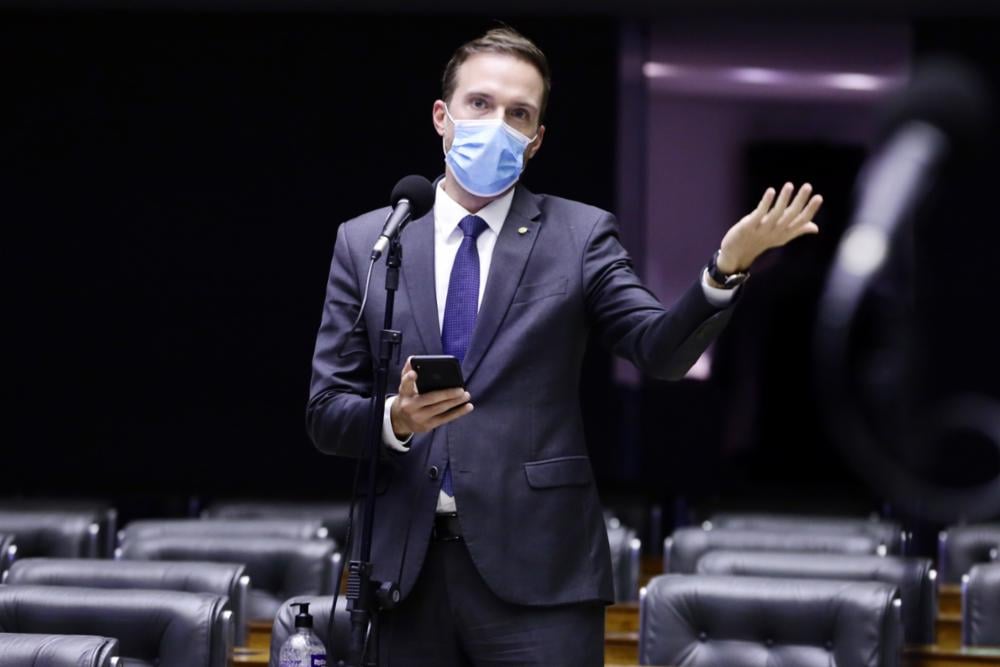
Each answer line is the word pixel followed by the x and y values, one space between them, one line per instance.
pixel 621 645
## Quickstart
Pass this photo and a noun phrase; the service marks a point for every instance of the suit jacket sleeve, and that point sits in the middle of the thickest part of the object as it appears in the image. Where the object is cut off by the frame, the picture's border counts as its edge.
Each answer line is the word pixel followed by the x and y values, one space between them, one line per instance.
pixel 337 413
pixel 631 321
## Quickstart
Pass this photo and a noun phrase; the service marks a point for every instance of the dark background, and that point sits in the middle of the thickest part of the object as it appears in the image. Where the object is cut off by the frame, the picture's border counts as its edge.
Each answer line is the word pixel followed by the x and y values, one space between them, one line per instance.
pixel 170 188
pixel 173 185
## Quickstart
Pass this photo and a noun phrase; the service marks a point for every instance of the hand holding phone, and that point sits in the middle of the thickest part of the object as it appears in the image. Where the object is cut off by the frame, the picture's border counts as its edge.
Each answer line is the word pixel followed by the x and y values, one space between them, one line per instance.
pixel 431 394
pixel 436 372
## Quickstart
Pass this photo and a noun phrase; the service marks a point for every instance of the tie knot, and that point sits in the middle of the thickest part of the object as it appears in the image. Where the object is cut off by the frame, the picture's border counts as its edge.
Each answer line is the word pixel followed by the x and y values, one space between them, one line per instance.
pixel 473 225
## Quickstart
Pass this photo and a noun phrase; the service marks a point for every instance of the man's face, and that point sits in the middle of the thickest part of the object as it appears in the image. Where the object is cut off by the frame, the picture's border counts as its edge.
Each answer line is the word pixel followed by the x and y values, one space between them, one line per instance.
pixel 495 85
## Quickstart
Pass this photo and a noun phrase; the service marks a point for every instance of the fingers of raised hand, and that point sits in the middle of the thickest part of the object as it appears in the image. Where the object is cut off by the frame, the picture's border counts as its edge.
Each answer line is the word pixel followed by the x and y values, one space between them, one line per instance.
pixel 765 203
pixel 805 217
pixel 773 216
pixel 812 208
pixel 793 210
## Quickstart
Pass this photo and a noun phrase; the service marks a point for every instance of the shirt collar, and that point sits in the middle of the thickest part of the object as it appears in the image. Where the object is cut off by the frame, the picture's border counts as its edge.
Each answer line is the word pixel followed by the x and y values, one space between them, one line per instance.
pixel 448 213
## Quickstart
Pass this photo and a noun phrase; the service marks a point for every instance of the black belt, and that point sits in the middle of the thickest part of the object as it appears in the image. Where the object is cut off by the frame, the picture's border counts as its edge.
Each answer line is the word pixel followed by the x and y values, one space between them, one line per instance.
pixel 446 527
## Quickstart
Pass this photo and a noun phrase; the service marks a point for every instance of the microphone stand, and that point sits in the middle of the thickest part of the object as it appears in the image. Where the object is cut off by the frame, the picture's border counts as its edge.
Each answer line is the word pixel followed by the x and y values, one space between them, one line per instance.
pixel 367 597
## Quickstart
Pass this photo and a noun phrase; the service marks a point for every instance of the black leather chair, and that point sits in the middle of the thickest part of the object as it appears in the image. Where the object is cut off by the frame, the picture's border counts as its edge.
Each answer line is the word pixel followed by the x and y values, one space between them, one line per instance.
pixel 961 547
pixel 279 568
pixel 336 636
pixel 981 606
pixel 683 549
pixel 626 550
pixel 914 577
pixel 40 533
pixel 227 580
pixel 334 515
pixel 33 650
pixel 103 514
pixel 707 621
pixel 153 628
pixel 290 528
pixel 8 552
pixel 888 533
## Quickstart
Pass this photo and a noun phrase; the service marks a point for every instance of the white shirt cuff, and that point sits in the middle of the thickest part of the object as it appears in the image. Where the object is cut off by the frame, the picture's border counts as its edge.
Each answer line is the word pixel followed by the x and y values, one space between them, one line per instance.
pixel 388 435
pixel 717 296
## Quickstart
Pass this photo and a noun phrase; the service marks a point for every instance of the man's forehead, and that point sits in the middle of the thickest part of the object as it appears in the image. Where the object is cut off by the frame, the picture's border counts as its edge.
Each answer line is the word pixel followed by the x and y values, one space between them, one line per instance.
pixel 500 73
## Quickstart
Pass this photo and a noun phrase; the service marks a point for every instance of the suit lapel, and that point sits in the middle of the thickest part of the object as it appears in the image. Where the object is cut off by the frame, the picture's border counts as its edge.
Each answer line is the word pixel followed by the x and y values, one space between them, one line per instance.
pixel 510 255
pixel 418 280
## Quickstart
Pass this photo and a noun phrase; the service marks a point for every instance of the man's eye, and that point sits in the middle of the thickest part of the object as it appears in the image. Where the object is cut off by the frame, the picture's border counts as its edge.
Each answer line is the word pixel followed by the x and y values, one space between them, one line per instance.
pixel 479 103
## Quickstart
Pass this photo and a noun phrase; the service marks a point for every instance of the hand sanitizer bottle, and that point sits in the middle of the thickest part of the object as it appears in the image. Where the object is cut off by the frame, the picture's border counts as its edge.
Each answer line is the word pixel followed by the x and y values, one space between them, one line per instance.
pixel 302 649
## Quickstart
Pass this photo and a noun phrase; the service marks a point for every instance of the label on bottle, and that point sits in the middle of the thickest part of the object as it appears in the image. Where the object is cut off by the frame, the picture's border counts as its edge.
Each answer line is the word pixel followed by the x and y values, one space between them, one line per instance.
pixel 318 661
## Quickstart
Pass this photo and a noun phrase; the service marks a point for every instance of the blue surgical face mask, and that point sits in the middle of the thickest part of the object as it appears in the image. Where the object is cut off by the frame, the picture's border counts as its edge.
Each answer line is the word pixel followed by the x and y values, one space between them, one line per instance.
pixel 486 156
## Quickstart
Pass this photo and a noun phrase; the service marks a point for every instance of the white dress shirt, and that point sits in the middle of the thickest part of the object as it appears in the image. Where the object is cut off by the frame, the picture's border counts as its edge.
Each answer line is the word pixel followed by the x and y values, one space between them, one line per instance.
pixel 447 239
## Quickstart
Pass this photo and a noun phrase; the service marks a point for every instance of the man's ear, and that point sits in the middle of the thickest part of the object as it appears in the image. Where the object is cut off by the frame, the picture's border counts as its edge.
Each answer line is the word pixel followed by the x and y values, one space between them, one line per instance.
pixel 535 145
pixel 439 117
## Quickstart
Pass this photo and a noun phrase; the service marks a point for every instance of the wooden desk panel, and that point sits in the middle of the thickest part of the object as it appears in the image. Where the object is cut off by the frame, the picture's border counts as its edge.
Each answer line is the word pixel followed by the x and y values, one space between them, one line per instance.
pixel 949 630
pixel 649 567
pixel 622 647
pixel 259 635
pixel 949 599
pixel 938 656
pixel 622 617
pixel 249 657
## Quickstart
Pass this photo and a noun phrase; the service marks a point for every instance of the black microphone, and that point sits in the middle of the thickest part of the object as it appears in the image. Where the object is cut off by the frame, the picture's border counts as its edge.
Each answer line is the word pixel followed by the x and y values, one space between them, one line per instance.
pixel 412 198
pixel 941 115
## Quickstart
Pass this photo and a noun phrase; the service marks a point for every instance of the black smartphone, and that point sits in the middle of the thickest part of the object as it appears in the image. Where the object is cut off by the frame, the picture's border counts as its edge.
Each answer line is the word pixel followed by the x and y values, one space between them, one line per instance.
pixel 437 371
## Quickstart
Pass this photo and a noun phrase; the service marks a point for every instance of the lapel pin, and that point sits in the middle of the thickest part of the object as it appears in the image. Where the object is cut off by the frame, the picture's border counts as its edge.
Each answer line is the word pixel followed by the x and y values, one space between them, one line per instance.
pixel 522 230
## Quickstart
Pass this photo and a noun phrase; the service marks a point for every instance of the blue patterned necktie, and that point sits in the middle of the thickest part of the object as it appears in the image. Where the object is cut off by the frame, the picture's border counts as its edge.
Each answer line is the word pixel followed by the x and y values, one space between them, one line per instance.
pixel 462 304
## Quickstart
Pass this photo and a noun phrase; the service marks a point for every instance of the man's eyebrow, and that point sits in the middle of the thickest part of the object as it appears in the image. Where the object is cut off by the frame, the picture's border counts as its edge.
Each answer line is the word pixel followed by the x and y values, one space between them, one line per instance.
pixel 520 103
pixel 478 93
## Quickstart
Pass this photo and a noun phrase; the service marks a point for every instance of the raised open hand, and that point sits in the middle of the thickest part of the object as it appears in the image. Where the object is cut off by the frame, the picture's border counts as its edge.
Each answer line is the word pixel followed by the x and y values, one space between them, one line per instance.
pixel 771 225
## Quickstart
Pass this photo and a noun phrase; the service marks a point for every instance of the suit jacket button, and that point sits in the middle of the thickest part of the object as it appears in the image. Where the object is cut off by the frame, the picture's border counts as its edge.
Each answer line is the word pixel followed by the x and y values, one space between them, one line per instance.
pixel 433 472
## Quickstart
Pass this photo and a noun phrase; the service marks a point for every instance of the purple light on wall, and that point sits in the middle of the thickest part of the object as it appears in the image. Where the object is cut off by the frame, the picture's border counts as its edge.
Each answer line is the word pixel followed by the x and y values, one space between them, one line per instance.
pixel 767 82
pixel 712 89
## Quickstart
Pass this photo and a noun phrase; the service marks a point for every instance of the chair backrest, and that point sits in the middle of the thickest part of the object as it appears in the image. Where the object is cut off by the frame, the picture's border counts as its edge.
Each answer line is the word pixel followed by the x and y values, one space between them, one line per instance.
pixel 291 528
pixel 53 534
pixel 961 547
pixel 625 560
pixel 279 568
pixel 35 650
pixel 165 628
pixel 104 514
pixel 227 580
pixel 334 631
pixel 981 606
pixel 704 621
pixel 682 550
pixel 915 578
pixel 8 552
pixel 888 533
pixel 334 515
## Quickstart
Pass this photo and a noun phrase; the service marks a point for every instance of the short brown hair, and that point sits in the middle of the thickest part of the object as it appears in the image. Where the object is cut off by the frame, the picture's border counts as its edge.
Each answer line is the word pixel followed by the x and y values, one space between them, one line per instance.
pixel 503 40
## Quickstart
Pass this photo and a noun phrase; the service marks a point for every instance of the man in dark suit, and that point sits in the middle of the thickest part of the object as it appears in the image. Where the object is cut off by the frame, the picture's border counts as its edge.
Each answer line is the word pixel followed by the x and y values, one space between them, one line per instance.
pixel 488 516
